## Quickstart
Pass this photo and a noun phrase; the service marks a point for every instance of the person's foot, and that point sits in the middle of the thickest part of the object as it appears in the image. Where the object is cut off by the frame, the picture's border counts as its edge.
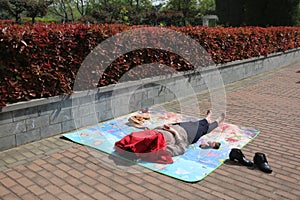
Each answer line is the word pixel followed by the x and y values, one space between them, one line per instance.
pixel 221 118
pixel 208 116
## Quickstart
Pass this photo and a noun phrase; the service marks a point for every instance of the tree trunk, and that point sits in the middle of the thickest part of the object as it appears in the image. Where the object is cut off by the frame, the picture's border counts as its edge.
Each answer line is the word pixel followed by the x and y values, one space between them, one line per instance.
pixel 18 18
pixel 137 5
pixel 66 19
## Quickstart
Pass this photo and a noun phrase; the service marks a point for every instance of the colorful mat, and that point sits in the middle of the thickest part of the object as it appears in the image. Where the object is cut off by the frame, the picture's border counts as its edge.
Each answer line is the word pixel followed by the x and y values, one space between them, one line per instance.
pixel 192 166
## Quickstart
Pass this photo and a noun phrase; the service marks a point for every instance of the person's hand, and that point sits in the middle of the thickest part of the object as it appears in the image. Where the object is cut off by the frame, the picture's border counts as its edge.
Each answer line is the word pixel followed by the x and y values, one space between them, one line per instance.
pixel 166 127
pixel 204 145
pixel 207 145
pixel 211 144
pixel 169 128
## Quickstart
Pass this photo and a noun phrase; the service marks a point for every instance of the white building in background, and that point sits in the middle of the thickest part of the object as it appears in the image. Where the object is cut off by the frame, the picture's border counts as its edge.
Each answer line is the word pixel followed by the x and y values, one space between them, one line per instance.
pixel 157 2
pixel 210 20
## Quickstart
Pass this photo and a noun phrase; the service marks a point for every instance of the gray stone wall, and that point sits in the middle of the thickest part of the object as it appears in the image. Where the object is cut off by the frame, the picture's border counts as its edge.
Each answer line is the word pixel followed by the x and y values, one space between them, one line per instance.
pixel 24 122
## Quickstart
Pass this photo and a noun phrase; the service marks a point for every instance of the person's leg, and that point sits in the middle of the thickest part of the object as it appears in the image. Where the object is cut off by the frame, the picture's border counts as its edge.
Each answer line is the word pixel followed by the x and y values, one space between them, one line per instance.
pixel 216 123
pixel 212 126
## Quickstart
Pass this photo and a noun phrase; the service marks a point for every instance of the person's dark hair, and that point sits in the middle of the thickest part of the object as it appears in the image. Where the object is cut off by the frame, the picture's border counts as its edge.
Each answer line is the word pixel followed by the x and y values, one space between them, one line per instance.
pixel 217 145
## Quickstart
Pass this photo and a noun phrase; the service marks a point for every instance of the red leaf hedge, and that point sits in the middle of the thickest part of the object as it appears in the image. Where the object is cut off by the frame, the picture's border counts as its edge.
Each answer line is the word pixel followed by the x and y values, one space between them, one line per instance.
pixel 42 60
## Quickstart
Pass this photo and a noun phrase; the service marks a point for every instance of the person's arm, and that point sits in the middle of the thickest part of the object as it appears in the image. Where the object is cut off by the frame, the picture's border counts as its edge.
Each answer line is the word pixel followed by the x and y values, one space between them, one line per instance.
pixel 175 149
pixel 179 147
pixel 173 131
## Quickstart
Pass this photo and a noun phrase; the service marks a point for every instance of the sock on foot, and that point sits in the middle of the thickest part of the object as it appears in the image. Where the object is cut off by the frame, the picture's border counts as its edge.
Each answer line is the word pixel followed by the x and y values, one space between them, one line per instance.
pixel 221 118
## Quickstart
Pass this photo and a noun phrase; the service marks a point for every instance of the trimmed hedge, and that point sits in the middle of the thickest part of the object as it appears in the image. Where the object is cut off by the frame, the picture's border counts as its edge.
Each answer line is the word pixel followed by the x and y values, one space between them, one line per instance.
pixel 42 60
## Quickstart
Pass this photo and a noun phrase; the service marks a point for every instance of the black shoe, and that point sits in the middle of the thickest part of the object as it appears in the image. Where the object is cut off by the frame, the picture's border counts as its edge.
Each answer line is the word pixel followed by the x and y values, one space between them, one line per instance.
pixel 236 154
pixel 261 162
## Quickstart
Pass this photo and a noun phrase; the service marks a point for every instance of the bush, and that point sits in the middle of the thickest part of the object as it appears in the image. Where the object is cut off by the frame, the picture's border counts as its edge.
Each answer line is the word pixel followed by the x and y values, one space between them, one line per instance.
pixel 42 60
pixel 6 21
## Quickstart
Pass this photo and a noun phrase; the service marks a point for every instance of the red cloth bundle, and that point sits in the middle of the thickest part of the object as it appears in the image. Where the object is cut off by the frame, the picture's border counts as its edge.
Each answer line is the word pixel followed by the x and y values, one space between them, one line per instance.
pixel 149 145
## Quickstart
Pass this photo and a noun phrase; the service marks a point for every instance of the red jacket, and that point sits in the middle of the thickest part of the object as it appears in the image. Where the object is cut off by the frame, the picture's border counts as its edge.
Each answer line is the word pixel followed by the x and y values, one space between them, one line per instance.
pixel 149 145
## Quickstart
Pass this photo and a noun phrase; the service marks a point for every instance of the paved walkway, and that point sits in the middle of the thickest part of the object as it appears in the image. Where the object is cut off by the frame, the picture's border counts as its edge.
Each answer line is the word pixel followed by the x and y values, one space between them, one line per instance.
pixel 58 169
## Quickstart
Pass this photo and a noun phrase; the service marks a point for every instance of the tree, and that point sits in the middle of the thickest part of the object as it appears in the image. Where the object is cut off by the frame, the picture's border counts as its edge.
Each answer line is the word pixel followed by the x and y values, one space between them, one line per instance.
pixel 107 12
pixel 3 12
pixel 84 7
pixel 120 11
pixel 14 8
pixel 207 7
pixel 81 7
pixel 63 9
pixel 36 8
pixel 191 10
pixel 186 7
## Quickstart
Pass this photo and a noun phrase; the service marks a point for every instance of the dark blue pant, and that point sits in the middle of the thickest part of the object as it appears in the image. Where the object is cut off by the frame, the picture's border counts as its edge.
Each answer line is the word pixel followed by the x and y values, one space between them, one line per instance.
pixel 197 129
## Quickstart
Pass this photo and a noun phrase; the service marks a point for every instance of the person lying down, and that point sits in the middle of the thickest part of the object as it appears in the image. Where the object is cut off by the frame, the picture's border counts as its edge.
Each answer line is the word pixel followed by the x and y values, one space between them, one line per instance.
pixel 172 138
pixel 180 135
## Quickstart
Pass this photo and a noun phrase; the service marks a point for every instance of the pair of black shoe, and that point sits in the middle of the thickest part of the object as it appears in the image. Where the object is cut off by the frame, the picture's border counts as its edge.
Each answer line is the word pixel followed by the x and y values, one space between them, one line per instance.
pixel 259 160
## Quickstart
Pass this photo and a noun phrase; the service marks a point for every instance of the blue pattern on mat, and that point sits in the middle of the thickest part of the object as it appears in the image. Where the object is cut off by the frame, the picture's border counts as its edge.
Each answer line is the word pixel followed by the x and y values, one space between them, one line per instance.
pixel 192 166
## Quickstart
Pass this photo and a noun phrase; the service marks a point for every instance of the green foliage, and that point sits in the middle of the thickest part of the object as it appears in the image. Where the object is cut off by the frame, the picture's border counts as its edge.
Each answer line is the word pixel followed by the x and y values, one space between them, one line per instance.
pixel 41 19
pixel 63 9
pixel 36 8
pixel 123 15
pixel 14 8
pixel 4 14
pixel 19 8
pixel 175 12
pixel 192 11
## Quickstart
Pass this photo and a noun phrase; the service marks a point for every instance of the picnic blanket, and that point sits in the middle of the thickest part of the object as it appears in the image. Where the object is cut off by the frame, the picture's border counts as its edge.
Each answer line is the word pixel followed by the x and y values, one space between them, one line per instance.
pixel 192 166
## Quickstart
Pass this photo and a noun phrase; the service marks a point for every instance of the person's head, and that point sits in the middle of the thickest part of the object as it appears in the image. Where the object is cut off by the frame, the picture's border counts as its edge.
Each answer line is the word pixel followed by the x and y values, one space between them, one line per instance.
pixel 216 145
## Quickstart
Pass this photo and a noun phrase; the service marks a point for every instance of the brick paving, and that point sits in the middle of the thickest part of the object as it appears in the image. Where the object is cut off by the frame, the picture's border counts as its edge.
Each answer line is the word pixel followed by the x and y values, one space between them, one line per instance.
pixel 54 168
